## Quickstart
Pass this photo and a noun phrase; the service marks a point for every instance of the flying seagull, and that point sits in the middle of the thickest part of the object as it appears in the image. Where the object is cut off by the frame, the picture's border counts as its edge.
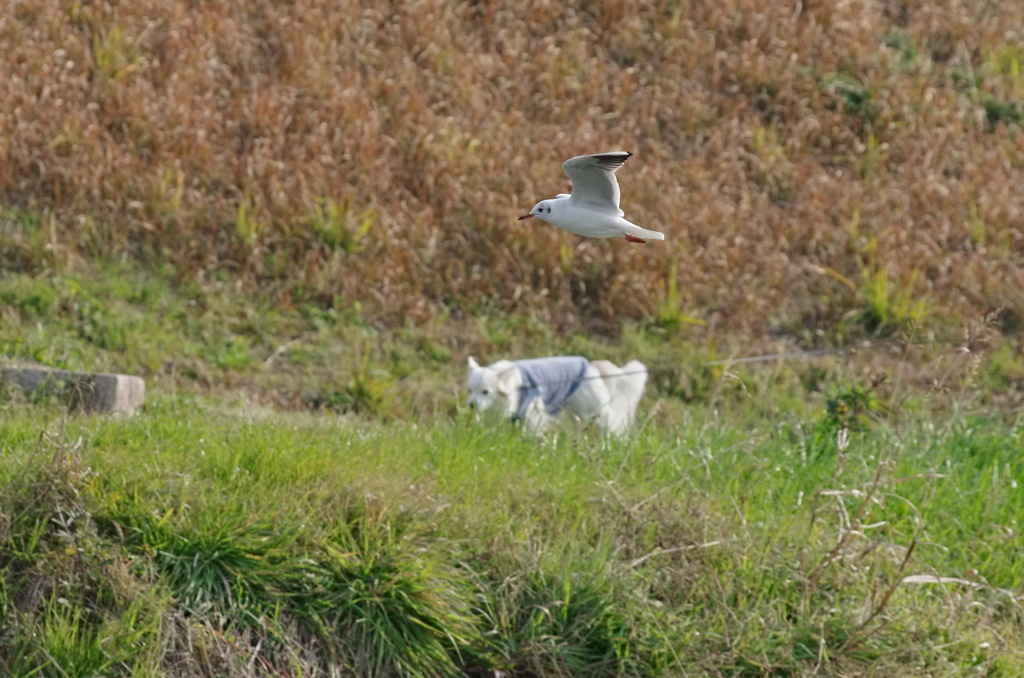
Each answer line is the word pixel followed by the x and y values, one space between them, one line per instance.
pixel 593 208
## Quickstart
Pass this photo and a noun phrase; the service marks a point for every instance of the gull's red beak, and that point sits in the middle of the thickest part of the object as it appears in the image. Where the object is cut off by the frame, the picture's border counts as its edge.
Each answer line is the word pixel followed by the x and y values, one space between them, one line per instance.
pixel 525 216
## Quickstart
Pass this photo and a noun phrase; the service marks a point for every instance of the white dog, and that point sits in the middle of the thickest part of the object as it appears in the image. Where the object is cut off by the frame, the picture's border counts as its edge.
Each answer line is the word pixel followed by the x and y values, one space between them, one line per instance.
pixel 534 391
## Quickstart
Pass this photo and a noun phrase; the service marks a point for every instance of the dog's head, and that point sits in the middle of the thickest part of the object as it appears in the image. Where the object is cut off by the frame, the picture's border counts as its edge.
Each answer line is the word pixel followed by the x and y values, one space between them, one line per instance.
pixel 494 387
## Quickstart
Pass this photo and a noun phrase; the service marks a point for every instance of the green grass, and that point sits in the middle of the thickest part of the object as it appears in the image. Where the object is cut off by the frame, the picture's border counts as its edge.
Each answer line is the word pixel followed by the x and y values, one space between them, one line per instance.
pixel 712 545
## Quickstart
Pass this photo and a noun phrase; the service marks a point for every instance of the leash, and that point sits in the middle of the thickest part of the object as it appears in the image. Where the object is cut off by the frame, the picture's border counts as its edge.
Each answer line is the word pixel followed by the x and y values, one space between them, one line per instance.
pixel 817 353
pixel 778 357
pixel 788 355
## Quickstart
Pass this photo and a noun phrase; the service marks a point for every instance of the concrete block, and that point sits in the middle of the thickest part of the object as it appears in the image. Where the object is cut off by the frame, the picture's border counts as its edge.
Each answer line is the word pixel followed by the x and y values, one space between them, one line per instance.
pixel 90 391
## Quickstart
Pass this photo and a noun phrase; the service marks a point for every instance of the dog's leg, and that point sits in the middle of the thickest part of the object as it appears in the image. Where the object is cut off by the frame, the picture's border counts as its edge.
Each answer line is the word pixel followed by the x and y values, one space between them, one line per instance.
pixel 536 419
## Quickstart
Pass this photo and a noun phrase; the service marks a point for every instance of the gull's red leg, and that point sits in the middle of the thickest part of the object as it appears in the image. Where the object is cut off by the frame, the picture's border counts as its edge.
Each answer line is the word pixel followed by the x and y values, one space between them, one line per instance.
pixel 633 238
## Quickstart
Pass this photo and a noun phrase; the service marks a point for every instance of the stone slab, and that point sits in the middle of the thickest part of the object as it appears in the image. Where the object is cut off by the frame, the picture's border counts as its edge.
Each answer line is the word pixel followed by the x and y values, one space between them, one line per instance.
pixel 90 391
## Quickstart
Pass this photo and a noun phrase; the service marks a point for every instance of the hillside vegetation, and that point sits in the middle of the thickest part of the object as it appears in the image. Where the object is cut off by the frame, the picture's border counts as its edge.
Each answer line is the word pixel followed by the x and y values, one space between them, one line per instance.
pixel 822 170
pixel 296 220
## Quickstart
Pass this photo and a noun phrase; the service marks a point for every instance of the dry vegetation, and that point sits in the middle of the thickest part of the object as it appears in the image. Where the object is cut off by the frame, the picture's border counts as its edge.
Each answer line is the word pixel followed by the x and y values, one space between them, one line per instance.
pixel 808 161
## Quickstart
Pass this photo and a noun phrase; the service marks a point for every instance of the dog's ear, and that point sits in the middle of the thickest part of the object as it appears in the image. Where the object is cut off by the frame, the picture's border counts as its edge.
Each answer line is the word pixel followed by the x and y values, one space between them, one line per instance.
pixel 472 364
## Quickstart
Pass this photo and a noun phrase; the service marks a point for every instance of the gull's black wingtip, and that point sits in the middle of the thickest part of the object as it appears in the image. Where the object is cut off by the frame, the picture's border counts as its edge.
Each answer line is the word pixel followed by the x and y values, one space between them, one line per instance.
pixel 612 159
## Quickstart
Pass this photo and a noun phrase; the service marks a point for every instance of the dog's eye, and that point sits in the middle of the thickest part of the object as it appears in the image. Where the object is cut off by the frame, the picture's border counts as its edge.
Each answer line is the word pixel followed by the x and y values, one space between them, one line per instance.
pixel 485 391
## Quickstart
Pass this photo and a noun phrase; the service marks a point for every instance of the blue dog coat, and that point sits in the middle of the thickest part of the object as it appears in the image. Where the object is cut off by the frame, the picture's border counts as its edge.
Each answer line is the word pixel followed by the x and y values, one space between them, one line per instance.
pixel 554 380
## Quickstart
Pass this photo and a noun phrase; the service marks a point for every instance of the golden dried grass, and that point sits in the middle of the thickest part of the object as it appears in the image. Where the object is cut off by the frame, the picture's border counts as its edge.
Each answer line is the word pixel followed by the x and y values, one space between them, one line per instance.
pixel 773 141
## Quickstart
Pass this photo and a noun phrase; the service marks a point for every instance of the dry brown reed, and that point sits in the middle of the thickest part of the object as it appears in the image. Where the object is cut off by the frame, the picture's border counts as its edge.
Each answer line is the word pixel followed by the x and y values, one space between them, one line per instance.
pixel 794 153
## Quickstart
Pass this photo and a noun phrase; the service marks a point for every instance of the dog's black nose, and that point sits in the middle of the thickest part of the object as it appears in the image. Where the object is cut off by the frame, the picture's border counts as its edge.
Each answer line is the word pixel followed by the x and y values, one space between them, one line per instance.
pixel 473 404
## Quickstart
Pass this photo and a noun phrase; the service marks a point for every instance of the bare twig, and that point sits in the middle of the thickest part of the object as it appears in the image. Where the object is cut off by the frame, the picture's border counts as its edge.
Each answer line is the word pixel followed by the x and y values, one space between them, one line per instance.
pixel 678 549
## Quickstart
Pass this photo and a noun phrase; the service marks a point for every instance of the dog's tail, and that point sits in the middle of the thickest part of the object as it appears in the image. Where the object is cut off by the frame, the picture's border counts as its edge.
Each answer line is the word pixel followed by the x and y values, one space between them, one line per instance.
pixel 626 390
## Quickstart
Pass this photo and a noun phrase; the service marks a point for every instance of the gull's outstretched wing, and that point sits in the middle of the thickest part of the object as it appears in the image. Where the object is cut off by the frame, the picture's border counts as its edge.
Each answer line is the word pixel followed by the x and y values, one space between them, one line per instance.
pixel 593 180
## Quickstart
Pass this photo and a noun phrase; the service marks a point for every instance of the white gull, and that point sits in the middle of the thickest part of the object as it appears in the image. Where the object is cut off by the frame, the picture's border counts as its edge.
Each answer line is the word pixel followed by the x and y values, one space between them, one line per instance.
pixel 593 208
